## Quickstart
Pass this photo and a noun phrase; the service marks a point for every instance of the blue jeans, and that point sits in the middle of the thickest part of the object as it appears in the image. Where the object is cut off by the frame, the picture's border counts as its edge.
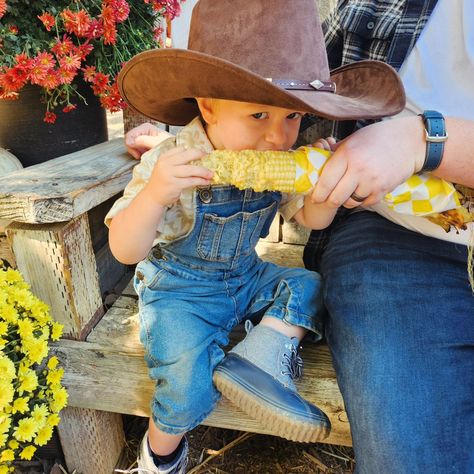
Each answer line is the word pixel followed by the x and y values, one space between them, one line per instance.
pixel 401 331
pixel 195 290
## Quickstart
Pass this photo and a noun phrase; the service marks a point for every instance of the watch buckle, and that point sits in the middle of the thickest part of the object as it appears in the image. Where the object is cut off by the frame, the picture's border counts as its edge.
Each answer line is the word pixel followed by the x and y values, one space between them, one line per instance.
pixel 436 138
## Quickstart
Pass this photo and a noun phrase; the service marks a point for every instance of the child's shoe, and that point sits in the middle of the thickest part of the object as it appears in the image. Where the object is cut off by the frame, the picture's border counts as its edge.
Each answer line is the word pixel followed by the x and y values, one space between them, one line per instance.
pixel 146 464
pixel 257 375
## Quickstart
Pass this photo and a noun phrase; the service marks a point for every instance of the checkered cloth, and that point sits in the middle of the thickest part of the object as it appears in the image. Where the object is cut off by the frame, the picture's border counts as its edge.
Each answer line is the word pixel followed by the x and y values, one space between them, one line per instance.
pixel 420 195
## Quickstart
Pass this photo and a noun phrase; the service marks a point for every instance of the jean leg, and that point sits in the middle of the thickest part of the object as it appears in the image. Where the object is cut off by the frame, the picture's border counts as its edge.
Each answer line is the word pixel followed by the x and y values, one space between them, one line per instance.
pixel 401 333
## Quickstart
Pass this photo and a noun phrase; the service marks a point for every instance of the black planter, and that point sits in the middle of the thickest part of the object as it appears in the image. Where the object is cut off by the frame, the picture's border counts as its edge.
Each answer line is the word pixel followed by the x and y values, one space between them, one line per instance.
pixel 24 133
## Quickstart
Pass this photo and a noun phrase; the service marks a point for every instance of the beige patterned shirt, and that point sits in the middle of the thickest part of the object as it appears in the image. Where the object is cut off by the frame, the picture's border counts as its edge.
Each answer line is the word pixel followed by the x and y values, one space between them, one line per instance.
pixel 179 217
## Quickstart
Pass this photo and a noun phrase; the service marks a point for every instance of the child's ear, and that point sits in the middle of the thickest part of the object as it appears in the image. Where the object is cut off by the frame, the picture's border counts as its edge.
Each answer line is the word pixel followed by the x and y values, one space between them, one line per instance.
pixel 207 109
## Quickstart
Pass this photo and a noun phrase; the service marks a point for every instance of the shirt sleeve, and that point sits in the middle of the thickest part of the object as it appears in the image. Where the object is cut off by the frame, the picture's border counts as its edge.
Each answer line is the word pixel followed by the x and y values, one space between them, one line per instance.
pixel 140 176
pixel 290 204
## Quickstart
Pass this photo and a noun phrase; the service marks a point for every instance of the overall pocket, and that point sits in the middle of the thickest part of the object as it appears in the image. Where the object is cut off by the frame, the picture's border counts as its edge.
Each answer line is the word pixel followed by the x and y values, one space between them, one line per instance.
pixel 223 238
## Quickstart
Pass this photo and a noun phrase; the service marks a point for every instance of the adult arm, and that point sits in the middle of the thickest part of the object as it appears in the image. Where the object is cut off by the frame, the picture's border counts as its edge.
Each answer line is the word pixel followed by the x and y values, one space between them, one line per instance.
pixel 375 159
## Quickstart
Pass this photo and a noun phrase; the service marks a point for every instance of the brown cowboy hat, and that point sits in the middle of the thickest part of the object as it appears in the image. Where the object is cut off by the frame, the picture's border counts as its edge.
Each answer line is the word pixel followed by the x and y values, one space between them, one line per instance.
pixel 262 51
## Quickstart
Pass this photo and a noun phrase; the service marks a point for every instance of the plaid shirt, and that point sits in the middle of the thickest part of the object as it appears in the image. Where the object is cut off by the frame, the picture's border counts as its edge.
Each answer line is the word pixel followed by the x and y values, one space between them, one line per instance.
pixel 385 30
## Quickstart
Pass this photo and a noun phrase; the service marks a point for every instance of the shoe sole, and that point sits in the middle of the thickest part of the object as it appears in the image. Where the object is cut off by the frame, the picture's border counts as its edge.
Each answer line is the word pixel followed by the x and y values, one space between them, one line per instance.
pixel 278 422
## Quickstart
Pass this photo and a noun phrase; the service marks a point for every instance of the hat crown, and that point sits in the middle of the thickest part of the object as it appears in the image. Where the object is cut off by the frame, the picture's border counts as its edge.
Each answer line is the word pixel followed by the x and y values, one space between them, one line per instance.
pixel 272 38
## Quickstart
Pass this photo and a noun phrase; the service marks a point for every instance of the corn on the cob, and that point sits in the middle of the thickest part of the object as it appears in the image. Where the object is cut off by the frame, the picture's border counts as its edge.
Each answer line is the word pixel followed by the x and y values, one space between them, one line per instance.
pixel 298 171
pixel 285 171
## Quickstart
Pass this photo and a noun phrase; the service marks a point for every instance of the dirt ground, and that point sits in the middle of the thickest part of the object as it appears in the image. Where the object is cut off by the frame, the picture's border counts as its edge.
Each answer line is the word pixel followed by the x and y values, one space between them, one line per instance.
pixel 220 451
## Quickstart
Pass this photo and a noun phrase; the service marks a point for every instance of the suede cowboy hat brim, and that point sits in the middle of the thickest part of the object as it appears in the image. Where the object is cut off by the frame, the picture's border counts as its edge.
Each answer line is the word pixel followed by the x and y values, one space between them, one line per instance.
pixel 153 84
pixel 269 52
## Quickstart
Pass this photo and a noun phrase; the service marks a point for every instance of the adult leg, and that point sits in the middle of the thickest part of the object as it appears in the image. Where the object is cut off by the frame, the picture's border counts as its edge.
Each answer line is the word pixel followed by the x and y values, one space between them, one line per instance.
pixel 402 337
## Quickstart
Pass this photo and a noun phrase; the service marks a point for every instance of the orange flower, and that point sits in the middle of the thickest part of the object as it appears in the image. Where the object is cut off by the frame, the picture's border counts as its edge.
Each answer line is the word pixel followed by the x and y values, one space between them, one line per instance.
pixel 48 20
pixel 3 7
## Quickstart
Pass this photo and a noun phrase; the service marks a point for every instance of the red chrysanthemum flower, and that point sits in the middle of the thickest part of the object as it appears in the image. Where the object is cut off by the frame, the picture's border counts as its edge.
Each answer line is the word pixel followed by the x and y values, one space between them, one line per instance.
pixel 13 29
pixel 65 76
pixel 70 62
pixel 111 99
pixel 3 7
pixel 89 73
pixel 83 50
pixel 120 8
pixel 48 20
pixel 77 23
pixel 41 65
pixel 69 107
pixel 51 80
pixel 63 47
pixel 108 22
pixel 99 83
pixel 96 29
pixel 49 117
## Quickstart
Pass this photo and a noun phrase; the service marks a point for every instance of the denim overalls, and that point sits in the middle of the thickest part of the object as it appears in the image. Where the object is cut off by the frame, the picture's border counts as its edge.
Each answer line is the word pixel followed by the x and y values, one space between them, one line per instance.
pixel 196 289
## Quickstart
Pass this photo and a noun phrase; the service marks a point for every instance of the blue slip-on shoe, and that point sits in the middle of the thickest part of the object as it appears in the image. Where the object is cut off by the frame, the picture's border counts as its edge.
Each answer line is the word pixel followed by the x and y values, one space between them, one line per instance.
pixel 258 376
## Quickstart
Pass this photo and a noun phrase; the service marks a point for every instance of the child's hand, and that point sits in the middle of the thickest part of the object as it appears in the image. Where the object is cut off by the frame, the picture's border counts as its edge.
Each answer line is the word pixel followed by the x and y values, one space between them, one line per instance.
pixel 173 173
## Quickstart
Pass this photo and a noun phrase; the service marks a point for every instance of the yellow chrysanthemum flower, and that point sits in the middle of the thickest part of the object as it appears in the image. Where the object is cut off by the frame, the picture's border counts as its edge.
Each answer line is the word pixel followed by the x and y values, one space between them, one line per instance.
pixel 4 469
pixel 60 399
pixel 20 405
pixel 54 376
pixel 9 313
pixel 44 435
pixel 28 452
pixel 3 439
pixel 3 328
pixel 28 381
pixel 12 276
pixel 57 331
pixel 53 362
pixel 26 429
pixel 7 455
pixel 6 393
pixel 53 420
pixel 36 349
pixel 26 328
pixel 13 444
pixel 7 369
pixel 40 414
pixel 5 423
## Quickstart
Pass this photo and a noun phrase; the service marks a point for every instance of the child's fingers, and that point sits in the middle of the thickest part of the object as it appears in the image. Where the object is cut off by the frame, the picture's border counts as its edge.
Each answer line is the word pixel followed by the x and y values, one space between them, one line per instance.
pixel 181 156
pixel 193 182
pixel 186 171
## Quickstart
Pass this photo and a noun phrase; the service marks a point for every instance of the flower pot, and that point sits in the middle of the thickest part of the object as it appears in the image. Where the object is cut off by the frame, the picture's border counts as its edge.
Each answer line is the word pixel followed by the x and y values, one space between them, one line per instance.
pixel 24 133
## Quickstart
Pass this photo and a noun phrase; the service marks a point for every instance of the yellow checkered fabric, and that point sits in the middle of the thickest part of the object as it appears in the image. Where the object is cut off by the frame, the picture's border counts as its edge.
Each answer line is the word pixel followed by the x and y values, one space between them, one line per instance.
pixel 420 195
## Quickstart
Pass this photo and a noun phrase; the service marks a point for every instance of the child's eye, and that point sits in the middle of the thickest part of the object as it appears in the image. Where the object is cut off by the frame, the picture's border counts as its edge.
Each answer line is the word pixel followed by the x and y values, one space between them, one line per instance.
pixel 260 115
pixel 295 115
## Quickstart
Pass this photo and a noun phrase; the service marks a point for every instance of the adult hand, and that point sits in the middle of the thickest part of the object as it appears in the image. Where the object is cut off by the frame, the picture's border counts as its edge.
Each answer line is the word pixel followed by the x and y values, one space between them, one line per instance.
pixel 142 138
pixel 371 162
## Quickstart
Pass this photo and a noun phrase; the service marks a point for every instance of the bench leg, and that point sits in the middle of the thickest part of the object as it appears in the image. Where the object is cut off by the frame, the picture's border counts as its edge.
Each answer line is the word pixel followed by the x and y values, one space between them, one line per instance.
pixel 92 440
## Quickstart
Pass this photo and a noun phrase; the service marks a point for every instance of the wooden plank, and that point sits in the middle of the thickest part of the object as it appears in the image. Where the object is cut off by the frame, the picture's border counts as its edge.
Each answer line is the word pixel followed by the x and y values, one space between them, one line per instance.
pixel 66 187
pixel 58 262
pixel 294 234
pixel 91 379
pixel 92 440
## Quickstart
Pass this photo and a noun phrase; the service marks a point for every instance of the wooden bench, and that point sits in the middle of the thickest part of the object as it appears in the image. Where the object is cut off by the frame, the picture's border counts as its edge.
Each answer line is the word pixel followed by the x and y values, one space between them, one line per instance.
pixel 57 240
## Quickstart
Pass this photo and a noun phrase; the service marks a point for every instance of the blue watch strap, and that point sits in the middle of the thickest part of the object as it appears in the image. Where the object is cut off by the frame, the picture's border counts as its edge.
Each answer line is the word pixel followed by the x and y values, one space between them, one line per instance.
pixel 436 135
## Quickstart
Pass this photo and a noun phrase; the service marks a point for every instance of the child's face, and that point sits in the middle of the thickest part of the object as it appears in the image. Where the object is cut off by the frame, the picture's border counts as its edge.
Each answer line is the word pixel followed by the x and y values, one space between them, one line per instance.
pixel 233 125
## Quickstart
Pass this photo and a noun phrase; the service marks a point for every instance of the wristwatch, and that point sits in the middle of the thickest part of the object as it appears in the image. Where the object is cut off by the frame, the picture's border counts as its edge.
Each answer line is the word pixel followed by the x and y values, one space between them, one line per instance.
pixel 436 135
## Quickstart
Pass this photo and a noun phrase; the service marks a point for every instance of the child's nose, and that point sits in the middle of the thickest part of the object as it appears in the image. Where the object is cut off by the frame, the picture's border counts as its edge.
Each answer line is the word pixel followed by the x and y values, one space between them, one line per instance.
pixel 277 134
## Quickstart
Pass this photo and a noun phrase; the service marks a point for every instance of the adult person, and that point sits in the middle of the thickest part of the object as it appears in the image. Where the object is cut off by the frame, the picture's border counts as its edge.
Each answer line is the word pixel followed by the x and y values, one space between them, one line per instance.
pixel 400 306
pixel 399 303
